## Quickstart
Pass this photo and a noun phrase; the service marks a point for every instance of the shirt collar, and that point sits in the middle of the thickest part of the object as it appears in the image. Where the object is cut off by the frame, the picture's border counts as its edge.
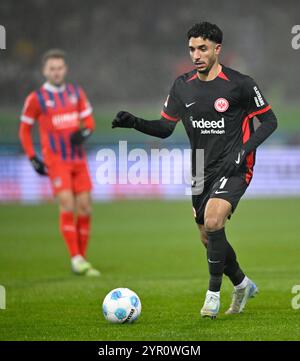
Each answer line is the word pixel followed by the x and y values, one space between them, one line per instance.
pixel 53 88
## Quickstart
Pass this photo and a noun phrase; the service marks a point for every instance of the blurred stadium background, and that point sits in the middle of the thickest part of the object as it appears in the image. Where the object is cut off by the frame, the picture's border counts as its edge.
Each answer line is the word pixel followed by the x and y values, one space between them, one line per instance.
pixel 126 57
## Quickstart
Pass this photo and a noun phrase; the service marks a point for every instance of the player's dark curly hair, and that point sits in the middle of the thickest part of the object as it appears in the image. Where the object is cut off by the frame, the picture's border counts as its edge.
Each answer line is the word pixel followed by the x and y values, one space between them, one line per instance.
pixel 206 30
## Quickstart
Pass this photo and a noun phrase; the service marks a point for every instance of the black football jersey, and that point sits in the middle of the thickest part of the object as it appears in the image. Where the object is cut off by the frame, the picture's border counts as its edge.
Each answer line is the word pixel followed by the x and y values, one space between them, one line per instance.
pixel 217 116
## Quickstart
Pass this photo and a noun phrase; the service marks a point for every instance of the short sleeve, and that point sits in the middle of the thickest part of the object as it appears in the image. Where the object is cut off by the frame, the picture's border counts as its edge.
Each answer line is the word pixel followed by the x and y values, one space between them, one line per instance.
pixel 171 109
pixel 85 108
pixel 31 109
pixel 252 98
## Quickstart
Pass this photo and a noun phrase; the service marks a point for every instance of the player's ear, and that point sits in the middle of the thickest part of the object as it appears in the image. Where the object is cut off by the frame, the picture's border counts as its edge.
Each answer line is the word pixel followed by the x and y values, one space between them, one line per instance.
pixel 218 48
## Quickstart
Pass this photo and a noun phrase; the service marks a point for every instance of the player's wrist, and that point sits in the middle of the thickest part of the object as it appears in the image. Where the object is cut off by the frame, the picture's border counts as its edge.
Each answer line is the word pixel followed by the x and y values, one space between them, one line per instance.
pixel 86 132
pixel 38 165
pixel 130 120
pixel 135 122
pixel 80 136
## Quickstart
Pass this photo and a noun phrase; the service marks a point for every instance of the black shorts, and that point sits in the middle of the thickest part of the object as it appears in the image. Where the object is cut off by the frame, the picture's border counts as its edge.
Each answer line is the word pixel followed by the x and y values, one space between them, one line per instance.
pixel 231 190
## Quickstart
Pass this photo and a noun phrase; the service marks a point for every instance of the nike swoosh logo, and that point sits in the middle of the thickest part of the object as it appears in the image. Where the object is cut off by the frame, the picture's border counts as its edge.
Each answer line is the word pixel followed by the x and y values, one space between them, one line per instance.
pixel 213 261
pixel 239 158
pixel 219 192
pixel 189 105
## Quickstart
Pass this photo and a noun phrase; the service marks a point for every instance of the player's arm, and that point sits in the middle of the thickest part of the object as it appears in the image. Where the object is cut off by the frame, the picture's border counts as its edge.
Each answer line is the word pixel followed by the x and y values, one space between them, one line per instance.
pixel 29 114
pixel 88 124
pixel 161 128
pixel 256 106
pixel 268 125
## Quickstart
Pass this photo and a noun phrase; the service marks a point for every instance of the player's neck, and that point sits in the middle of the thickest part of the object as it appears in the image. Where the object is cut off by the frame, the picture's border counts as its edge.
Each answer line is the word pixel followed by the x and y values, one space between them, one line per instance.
pixel 53 87
pixel 212 74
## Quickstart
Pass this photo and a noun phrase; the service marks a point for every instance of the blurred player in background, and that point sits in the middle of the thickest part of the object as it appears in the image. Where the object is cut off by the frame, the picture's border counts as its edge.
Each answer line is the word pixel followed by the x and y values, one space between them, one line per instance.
pixel 217 106
pixel 65 121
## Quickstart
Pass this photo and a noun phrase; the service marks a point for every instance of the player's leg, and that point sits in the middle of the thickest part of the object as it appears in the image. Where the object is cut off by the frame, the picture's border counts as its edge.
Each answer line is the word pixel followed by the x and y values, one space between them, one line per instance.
pixel 60 177
pixel 67 220
pixel 83 208
pixel 231 269
pixel 67 206
pixel 82 186
pixel 231 190
pixel 215 215
pixel 212 300
pixel 231 266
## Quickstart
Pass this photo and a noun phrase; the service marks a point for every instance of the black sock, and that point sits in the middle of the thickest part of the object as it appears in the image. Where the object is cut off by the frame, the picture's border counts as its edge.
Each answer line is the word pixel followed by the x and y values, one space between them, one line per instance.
pixel 216 254
pixel 232 268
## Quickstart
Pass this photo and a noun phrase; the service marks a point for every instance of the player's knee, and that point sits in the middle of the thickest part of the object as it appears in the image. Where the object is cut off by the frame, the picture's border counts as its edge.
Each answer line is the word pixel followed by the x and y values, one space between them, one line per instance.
pixel 213 224
pixel 84 209
pixel 83 204
pixel 66 201
pixel 66 206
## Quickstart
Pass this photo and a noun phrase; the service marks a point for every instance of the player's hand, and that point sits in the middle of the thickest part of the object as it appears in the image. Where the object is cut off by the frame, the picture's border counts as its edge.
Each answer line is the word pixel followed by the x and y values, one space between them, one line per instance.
pixel 124 120
pixel 233 162
pixel 80 136
pixel 38 165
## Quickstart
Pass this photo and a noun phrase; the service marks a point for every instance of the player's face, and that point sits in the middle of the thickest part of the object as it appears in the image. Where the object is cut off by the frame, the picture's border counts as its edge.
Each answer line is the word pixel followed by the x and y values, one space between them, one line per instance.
pixel 55 71
pixel 204 53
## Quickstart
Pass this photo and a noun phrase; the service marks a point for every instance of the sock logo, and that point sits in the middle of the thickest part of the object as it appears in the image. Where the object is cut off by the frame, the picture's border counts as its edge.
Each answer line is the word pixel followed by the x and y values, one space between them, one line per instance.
pixel 210 261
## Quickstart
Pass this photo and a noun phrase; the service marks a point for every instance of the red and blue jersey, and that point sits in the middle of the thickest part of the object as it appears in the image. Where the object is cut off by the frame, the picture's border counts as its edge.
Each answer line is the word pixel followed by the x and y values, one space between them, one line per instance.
pixel 59 111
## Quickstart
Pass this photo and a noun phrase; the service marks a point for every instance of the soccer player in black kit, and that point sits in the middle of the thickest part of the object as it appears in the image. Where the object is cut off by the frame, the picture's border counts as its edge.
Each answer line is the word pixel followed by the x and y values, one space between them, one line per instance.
pixel 216 105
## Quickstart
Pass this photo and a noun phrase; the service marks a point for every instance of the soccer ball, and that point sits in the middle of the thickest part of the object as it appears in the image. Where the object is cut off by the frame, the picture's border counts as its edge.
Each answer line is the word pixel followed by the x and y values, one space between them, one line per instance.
pixel 121 305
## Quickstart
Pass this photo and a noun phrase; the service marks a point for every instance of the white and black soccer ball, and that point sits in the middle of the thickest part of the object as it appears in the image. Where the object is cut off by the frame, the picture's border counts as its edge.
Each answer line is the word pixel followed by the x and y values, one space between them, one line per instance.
pixel 121 305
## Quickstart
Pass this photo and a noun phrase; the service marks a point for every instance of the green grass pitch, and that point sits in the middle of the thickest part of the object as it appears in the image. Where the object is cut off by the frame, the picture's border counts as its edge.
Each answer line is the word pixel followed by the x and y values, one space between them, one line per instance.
pixel 152 247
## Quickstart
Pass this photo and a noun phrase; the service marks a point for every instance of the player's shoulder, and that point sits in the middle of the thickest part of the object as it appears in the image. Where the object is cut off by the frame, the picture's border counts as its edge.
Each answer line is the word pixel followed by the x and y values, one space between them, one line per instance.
pixel 37 92
pixel 32 104
pixel 236 76
pixel 186 77
pixel 73 85
pixel 37 98
pixel 76 89
pixel 32 97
